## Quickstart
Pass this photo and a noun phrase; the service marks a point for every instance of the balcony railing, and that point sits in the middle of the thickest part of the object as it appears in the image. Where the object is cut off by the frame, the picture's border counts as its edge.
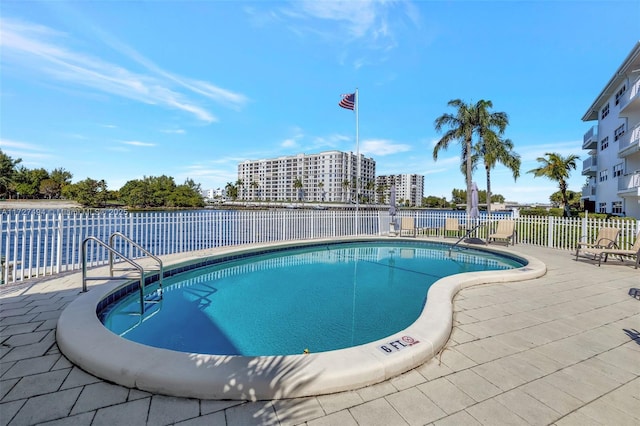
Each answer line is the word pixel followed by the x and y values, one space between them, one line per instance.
pixel 630 142
pixel 633 100
pixel 590 139
pixel 590 165
pixel 629 182
pixel 588 191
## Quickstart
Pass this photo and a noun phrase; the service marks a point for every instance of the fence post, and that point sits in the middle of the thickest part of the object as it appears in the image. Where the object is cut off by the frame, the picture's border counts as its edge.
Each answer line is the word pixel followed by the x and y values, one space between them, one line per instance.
pixel 59 245
pixel 583 237
pixel 550 233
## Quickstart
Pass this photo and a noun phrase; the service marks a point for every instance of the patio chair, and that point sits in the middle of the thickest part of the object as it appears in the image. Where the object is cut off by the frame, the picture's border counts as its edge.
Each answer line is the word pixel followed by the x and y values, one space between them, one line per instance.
pixel 451 224
pixel 505 230
pixel 605 239
pixel 634 251
pixel 408 224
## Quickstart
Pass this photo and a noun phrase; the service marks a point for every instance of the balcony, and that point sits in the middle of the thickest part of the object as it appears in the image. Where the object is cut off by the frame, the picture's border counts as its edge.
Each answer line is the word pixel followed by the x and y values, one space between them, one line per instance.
pixel 631 104
pixel 588 191
pixel 629 143
pixel 590 166
pixel 590 140
pixel 629 185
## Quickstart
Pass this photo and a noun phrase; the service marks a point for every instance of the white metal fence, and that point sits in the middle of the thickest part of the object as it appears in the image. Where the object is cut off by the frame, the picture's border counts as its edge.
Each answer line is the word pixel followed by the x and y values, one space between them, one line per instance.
pixel 45 242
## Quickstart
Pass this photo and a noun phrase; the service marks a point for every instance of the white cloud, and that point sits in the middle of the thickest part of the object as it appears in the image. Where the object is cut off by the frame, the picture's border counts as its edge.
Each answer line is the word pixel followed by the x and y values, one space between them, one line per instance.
pixel 331 141
pixel 382 147
pixel 32 155
pixel 138 143
pixel 7 143
pixel 289 143
pixel 359 17
pixel 365 18
pixel 365 21
pixel 174 131
pixel 39 50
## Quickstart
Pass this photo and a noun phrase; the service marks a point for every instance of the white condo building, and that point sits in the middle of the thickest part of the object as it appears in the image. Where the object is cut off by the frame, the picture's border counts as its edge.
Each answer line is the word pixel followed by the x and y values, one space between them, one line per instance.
pixel 613 164
pixel 212 194
pixel 409 189
pixel 329 176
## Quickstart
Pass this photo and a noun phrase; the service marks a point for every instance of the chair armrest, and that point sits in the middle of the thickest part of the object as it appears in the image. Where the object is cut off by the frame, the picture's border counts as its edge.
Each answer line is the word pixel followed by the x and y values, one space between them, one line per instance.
pixel 610 244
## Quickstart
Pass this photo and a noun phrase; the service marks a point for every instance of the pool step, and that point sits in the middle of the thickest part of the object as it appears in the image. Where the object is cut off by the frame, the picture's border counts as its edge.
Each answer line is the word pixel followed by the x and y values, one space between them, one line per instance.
pixel 154 297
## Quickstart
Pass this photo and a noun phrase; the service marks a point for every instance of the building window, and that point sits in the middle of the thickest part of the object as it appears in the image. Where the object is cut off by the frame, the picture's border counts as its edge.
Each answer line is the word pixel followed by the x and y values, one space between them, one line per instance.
pixel 618 133
pixel 604 143
pixel 602 207
pixel 616 207
pixel 605 111
pixel 617 170
pixel 620 93
pixel 603 175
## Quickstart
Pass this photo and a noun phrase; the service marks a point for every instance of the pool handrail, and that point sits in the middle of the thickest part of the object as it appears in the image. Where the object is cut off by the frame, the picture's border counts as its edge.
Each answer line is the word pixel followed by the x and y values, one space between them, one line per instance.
pixel 139 247
pixel 111 251
pixel 467 234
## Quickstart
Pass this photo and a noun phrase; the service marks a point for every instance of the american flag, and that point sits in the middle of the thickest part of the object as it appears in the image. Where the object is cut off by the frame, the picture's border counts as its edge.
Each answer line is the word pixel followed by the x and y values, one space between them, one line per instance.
pixel 348 101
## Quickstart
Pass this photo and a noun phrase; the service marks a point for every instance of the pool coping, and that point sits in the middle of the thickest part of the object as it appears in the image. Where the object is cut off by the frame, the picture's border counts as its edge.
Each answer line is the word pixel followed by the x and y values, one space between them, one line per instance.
pixel 87 343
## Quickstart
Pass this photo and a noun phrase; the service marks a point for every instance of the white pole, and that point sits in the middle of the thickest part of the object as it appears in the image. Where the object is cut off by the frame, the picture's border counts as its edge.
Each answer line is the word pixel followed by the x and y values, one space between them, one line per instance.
pixel 357 107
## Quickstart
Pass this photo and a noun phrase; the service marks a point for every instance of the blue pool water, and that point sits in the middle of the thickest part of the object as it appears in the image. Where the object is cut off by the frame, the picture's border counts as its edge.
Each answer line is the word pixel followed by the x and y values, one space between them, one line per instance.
pixel 320 298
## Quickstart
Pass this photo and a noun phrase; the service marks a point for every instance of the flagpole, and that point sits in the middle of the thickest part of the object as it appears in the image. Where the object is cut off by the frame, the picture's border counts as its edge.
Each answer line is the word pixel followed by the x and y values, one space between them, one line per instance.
pixel 357 107
pixel 350 102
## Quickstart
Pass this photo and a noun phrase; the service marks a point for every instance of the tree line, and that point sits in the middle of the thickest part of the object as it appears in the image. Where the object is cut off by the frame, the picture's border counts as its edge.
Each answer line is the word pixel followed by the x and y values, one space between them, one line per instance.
pixel 19 182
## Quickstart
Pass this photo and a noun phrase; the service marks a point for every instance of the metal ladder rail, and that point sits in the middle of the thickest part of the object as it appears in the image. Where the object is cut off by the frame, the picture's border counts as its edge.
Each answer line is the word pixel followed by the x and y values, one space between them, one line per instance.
pixel 466 235
pixel 111 251
pixel 142 249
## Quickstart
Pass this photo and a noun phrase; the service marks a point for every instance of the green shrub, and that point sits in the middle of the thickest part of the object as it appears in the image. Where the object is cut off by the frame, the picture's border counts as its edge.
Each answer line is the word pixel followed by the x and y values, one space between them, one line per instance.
pixel 538 211
pixel 555 212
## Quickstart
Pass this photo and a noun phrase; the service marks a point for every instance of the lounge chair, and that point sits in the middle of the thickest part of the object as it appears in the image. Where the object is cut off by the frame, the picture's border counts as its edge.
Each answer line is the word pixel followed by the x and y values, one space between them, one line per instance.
pixel 634 251
pixel 451 224
pixel 505 230
pixel 408 224
pixel 605 239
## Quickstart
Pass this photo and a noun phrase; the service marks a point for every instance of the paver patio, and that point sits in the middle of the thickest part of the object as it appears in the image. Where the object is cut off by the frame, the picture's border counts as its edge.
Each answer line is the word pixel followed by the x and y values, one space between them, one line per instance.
pixel 563 349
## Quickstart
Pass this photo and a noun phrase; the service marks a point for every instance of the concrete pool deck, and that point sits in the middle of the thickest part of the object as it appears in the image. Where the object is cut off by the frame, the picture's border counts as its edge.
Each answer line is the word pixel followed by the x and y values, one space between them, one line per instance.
pixel 561 349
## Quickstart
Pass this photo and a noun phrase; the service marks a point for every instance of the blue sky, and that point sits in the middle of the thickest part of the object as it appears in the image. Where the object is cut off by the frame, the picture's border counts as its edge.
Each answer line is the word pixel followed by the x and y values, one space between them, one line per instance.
pixel 118 90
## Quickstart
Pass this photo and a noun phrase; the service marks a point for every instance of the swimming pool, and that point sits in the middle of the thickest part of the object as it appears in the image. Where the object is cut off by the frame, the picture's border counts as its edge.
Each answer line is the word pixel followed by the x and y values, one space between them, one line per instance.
pixel 87 343
pixel 311 299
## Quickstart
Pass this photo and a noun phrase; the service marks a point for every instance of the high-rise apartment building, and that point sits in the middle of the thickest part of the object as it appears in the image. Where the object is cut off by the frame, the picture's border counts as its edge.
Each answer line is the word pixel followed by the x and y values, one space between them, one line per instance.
pixel 409 189
pixel 613 163
pixel 329 176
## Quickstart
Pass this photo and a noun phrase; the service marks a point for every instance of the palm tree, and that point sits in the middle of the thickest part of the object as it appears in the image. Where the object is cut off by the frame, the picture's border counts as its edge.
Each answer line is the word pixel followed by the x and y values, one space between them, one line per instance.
pixel 493 149
pixel 381 189
pixel 556 167
pixel 370 186
pixel 461 125
pixel 346 184
pixel 240 191
pixel 473 119
pixel 254 186
pixel 490 144
pixel 297 184
pixel 321 188
pixel 232 190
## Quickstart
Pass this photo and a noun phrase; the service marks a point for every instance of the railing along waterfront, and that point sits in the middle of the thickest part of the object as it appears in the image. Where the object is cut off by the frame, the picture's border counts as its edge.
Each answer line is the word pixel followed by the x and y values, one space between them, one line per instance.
pixel 36 243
